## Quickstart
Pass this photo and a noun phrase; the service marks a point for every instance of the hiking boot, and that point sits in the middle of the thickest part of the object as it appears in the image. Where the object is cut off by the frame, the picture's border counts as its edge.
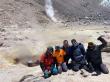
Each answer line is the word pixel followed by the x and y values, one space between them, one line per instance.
pixel 96 73
pixel 84 73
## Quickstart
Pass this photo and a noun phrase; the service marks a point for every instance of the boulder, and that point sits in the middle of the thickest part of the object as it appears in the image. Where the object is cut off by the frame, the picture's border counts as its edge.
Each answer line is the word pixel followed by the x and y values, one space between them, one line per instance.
pixel 32 78
pixel 107 49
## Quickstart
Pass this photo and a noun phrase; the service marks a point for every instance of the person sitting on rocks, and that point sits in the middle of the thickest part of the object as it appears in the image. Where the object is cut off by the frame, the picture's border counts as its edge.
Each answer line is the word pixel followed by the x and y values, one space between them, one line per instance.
pixel 78 57
pixel 59 55
pixel 66 47
pixel 47 63
pixel 94 57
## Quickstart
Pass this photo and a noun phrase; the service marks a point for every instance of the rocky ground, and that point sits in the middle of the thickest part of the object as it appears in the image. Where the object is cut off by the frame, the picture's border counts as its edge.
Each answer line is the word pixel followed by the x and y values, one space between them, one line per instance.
pixel 16 72
pixel 25 32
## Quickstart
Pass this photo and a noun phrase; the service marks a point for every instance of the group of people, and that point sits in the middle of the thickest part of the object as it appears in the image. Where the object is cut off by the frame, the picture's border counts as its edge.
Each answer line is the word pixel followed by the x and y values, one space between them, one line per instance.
pixel 60 59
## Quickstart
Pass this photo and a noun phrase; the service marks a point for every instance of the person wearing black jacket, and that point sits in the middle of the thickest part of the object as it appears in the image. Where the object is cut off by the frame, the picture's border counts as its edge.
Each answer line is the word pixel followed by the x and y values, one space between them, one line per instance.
pixel 94 58
pixel 66 47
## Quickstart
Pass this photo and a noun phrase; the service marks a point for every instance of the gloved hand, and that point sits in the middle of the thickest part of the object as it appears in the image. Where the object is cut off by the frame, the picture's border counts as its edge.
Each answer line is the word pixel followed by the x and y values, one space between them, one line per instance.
pixel 100 37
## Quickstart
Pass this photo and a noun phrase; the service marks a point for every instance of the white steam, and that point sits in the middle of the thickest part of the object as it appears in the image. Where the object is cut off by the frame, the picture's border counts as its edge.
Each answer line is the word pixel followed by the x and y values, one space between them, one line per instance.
pixel 50 10
pixel 105 3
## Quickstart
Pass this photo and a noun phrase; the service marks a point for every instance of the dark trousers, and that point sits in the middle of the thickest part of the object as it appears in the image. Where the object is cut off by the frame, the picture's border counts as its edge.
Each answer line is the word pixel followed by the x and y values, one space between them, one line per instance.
pixel 66 58
pixel 77 65
pixel 98 68
pixel 62 68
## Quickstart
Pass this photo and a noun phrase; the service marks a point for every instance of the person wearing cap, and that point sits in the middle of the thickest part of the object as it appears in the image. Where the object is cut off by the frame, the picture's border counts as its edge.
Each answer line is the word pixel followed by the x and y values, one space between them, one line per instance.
pixel 94 58
pixel 47 63
pixel 59 56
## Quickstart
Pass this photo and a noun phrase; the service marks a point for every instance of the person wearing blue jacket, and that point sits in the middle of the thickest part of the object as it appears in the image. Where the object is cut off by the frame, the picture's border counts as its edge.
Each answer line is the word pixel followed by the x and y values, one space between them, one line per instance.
pixel 78 56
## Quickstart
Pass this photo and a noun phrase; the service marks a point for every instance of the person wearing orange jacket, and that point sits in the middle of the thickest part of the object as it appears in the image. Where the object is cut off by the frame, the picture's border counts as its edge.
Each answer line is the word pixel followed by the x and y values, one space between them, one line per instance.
pixel 59 55
pixel 47 63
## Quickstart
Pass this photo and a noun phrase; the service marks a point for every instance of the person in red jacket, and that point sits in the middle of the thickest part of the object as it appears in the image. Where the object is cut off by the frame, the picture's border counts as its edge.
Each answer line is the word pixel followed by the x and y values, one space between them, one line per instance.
pixel 47 63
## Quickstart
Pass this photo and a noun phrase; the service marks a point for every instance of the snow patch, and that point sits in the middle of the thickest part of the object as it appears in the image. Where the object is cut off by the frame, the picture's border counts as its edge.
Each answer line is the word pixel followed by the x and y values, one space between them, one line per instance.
pixel 50 10
pixel 105 3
